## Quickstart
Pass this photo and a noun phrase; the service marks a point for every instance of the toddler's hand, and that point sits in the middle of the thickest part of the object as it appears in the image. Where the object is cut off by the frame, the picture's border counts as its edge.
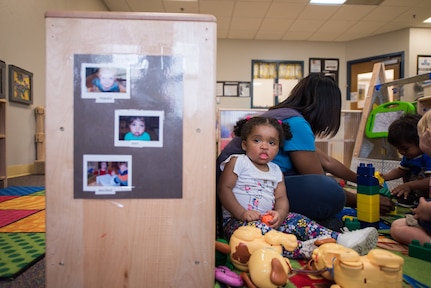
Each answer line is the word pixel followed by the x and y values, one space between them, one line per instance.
pixel 423 211
pixel 275 222
pixel 402 190
pixel 250 215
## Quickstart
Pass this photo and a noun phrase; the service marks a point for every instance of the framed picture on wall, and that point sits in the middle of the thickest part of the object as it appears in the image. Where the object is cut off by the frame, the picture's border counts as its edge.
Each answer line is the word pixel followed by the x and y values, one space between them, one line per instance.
pixel 20 85
pixel 424 64
pixel 315 65
pixel 2 80
pixel 328 66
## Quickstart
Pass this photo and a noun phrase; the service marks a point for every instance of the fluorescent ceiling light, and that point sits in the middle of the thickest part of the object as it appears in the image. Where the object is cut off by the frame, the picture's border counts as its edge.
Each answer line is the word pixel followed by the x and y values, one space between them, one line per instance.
pixel 427 20
pixel 327 2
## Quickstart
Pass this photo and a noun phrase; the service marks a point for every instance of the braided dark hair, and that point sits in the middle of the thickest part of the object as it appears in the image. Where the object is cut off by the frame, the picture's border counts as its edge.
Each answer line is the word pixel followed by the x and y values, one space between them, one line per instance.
pixel 244 127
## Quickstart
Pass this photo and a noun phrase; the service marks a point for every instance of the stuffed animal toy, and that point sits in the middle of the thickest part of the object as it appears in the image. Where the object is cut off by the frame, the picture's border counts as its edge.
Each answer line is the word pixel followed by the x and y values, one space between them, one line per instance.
pixel 379 268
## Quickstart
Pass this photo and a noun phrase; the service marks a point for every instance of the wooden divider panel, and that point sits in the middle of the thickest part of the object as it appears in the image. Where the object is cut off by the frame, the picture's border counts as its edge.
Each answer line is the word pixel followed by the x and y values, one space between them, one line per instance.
pixel 156 228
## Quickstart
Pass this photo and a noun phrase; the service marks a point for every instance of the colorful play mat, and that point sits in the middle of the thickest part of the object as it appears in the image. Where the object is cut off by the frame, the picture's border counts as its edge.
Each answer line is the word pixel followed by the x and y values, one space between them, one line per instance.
pixel 22 229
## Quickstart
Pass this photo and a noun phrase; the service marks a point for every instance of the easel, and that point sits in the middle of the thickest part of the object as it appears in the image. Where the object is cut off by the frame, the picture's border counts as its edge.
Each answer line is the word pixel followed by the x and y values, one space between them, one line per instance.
pixel 378 151
pixel 374 151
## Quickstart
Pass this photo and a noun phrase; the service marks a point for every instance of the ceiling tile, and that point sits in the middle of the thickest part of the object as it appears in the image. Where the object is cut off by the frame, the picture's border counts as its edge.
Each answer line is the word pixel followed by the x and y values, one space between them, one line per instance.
pixel 293 19
pixel 250 9
pixel 245 23
pixel 285 10
pixel 216 8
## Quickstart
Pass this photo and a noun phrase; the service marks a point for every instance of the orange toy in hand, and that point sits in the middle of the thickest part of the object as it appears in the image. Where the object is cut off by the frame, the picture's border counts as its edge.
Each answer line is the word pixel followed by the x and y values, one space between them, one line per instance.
pixel 266 218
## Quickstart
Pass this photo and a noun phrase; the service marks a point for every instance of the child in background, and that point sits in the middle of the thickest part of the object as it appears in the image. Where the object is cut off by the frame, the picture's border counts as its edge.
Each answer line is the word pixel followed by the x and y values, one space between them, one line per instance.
pixel 415 166
pixel 103 169
pixel 121 177
pixel 418 225
pixel 106 81
pixel 251 186
pixel 137 130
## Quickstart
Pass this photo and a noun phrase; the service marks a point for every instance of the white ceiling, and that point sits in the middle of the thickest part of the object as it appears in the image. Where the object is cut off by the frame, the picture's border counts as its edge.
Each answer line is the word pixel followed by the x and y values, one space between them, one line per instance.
pixel 293 19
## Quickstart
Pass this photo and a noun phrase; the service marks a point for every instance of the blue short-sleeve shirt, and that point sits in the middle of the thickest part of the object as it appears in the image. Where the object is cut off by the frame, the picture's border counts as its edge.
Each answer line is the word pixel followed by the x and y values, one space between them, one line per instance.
pixel 302 140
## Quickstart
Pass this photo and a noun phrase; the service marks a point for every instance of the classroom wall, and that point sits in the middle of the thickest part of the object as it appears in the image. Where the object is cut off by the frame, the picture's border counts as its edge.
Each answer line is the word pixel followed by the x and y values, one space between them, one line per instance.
pixel 234 60
pixel 410 41
pixel 24 46
pixel 419 44
pixel 22 30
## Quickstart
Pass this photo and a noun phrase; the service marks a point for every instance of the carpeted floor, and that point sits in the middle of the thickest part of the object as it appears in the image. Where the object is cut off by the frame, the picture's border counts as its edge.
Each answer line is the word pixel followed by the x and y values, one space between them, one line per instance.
pixel 34 276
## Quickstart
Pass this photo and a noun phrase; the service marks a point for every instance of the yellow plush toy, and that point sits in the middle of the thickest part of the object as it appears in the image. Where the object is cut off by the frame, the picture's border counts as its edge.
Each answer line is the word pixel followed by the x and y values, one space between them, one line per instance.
pixel 379 268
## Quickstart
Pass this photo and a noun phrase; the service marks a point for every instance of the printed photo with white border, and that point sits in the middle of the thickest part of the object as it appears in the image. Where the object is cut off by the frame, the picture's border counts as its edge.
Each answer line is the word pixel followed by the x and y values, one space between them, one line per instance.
pixel 138 128
pixel 105 82
pixel 107 174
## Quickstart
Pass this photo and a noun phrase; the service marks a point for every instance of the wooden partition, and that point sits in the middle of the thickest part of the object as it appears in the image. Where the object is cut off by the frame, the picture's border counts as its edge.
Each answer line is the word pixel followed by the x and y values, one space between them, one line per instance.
pixel 158 229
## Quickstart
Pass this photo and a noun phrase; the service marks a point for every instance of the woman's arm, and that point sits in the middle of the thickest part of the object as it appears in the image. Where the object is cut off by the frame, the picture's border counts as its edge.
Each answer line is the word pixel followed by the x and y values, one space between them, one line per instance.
pixel 335 167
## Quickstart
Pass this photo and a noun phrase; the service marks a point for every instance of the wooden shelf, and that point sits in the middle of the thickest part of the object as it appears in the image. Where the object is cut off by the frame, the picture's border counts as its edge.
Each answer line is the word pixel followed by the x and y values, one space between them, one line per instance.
pixel 3 167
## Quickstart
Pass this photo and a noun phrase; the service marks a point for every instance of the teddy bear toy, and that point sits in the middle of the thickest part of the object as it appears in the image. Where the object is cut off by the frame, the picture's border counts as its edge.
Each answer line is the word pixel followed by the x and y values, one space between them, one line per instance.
pixel 344 266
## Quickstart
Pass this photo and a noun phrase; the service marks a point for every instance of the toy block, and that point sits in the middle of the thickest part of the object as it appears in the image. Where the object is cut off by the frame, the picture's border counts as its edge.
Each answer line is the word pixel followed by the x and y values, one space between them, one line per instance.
pixel 366 175
pixel 365 170
pixel 384 191
pixel 367 197
pixel 369 190
pixel 368 200
pixel 352 223
pixel 368 217
pixel 348 217
pixel 420 252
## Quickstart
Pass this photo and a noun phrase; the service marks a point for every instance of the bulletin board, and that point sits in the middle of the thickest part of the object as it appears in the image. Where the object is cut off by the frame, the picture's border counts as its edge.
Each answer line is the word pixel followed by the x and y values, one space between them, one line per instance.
pixel 157 228
pixel 145 94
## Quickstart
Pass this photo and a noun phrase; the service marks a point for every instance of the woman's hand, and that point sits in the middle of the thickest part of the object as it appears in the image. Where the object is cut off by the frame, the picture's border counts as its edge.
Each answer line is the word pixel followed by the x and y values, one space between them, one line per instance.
pixel 386 205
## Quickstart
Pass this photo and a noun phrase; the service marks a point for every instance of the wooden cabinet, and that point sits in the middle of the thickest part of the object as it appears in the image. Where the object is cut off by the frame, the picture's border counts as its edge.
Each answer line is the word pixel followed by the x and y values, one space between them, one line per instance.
pixel 3 176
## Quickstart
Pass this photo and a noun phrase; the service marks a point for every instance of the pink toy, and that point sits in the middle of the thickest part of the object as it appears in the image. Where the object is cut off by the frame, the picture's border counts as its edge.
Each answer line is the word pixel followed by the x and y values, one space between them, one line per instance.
pixel 224 275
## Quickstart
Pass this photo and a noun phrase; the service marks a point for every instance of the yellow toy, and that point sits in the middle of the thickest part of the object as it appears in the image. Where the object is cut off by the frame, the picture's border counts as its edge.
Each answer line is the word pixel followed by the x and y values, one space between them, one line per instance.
pixel 247 239
pixel 260 256
pixel 268 269
pixel 379 268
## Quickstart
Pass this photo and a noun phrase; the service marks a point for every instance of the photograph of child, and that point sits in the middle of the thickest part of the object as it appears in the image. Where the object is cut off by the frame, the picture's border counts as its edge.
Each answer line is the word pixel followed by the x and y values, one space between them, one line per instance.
pixel 138 128
pixel 107 174
pixel 106 79
pixel 137 131
pixel 104 82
